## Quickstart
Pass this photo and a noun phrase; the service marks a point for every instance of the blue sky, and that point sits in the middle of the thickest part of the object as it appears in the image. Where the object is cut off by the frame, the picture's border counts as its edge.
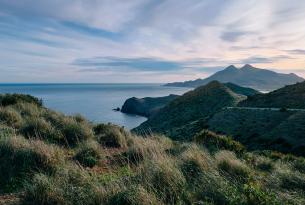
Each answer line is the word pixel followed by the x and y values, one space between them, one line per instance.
pixel 146 40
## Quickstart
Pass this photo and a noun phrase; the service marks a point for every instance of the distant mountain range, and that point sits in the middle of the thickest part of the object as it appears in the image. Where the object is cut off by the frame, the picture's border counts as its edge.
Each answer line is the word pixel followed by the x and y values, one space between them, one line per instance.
pixel 248 76
pixel 259 121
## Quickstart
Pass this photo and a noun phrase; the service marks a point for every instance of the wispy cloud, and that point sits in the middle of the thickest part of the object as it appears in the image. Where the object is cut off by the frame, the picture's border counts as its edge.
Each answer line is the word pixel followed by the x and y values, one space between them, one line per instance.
pixel 177 39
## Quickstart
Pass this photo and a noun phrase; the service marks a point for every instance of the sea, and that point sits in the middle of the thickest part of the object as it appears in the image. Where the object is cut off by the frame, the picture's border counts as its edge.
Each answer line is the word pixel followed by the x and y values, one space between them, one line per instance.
pixel 94 101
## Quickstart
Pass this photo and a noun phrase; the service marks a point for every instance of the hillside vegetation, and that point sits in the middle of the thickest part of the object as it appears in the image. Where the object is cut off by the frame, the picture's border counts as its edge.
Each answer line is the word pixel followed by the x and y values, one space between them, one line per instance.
pixel 183 117
pixel 147 106
pixel 48 158
pixel 212 107
pixel 290 96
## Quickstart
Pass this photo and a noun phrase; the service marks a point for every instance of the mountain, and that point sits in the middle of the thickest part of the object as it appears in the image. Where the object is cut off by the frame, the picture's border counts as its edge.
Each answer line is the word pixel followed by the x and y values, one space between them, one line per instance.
pixel 183 117
pixel 248 76
pixel 291 96
pixel 149 106
pixel 146 106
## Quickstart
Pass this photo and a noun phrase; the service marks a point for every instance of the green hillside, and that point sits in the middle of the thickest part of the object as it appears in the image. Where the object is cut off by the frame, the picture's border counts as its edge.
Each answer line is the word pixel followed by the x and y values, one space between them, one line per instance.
pixel 184 116
pixel 48 158
pixel 290 96
pixel 263 129
pixel 146 106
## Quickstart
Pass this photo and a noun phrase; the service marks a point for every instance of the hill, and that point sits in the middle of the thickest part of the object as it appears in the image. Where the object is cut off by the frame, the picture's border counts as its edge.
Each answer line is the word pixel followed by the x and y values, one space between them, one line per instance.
pixel 149 106
pixel 50 158
pixel 247 76
pixel 291 96
pixel 183 117
pixel 146 106
pixel 262 129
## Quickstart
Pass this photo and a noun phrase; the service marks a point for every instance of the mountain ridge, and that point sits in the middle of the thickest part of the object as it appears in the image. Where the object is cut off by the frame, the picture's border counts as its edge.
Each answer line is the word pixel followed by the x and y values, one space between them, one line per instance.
pixel 247 76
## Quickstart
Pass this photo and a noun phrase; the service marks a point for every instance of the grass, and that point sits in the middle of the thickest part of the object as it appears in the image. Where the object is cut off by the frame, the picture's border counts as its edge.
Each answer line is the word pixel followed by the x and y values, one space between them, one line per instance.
pixel 65 160
pixel 216 142
pixel 88 154
pixel 111 135
pixel 20 158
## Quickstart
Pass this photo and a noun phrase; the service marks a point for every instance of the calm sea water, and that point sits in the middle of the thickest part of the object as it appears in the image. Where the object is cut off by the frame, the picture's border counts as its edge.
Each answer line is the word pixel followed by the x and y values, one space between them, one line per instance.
pixel 94 101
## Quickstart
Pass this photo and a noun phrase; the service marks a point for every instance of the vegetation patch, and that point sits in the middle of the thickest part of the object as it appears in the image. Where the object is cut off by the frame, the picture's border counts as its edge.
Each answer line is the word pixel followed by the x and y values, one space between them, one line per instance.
pixel 217 142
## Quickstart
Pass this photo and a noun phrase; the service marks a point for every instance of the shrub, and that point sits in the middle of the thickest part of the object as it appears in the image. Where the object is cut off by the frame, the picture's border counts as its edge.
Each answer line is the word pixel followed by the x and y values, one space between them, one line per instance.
pixel 152 147
pixel 293 181
pixel 233 167
pixel 20 158
pixel 135 195
pixel 88 154
pixel 194 163
pixel 216 142
pixel 299 165
pixel 11 99
pixel 69 186
pixel 75 132
pixel 111 135
pixel 28 109
pixel 255 195
pixel 164 179
pixel 10 117
pixel 264 164
pixel 39 128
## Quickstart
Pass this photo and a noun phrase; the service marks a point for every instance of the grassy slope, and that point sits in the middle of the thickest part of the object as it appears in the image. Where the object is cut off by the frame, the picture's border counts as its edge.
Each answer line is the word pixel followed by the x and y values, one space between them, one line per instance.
pixel 263 129
pixel 291 96
pixel 51 158
pixel 183 117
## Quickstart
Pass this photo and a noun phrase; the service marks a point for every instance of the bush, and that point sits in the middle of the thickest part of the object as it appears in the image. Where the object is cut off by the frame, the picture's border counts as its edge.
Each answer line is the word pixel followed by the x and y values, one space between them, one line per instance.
pixel 232 167
pixel 264 164
pixel 20 158
pixel 28 109
pixel 293 181
pixel 75 132
pixel 255 195
pixel 88 154
pixel 299 165
pixel 164 179
pixel 217 142
pixel 11 99
pixel 194 163
pixel 41 129
pixel 10 117
pixel 135 195
pixel 70 185
pixel 111 135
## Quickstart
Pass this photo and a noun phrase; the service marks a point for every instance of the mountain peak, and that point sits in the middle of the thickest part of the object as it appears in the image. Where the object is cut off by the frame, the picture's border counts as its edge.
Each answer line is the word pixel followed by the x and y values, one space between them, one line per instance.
pixel 248 66
pixel 231 67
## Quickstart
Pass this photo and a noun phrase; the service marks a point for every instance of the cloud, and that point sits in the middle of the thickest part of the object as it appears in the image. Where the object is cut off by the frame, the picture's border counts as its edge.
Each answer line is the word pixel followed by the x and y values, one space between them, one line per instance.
pixel 131 64
pixel 232 36
pixel 181 39
pixel 297 51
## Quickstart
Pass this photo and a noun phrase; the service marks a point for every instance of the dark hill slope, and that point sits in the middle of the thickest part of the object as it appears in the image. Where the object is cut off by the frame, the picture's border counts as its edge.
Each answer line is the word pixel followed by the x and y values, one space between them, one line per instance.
pixel 241 90
pixel 291 96
pixel 184 116
pixel 249 76
pixel 149 106
pixel 263 129
pixel 146 106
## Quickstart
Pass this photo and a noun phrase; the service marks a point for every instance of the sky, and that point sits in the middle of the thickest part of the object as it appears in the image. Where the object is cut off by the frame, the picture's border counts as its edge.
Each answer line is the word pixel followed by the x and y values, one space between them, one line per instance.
pixel 141 41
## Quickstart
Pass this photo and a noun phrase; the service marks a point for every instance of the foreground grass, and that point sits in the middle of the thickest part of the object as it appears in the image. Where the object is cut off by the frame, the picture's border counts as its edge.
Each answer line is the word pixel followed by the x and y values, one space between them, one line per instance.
pixel 65 160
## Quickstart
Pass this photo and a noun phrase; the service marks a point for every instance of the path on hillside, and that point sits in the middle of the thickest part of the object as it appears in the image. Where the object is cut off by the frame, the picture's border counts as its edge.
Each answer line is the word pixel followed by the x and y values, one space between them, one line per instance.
pixel 261 108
